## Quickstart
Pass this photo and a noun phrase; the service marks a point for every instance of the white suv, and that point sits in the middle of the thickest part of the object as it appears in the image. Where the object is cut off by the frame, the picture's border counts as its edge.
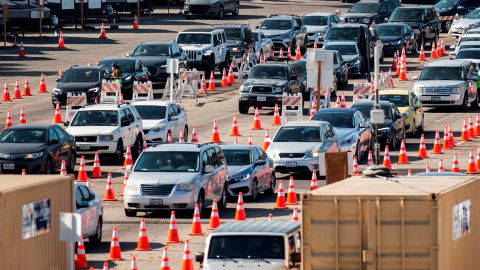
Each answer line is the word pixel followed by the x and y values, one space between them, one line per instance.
pixel 108 129
pixel 206 49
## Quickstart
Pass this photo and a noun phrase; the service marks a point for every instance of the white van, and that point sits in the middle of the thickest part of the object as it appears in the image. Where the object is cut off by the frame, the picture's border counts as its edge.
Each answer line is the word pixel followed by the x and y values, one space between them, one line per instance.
pixel 269 245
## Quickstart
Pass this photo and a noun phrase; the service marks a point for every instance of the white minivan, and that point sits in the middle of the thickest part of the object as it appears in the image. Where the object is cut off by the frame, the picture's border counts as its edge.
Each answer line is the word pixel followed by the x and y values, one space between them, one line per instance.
pixel 264 244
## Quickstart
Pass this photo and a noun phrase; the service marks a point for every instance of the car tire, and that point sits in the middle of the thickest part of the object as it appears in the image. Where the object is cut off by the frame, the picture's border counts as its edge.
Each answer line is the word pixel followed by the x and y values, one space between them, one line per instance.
pixel 96 239
pixel 49 166
pixel 271 186
pixel 130 213
pixel 210 67
pixel 236 11
pixel 254 192
pixel 72 159
pixel 118 155
pixel 137 147
pixel 221 13
pixel 223 203
pixel 185 133
pixel 464 105
pixel 201 202
pixel 393 142
pixel 474 103
pixel 188 16
pixel 243 107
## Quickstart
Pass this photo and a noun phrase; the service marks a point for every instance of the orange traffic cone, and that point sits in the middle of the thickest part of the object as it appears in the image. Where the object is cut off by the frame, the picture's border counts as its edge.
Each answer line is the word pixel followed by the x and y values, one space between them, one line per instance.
pixel 295 214
pixel 215 133
pixel 403 158
pixel 235 141
pixel 280 54
pixel 289 53
pixel 471 129
pixel 370 158
pixel 115 252
pixel 443 47
pixel 422 150
pixel 477 161
pixel 42 87
pixel 204 86
pixel 173 236
pixel 446 139
pixel 196 225
pixel 61 42
pixel 440 166
pixel 240 212
pixel 82 172
pixel 450 135
pixel 298 53
pixel 169 138
pixel 60 73
pixel 194 135
pixel 455 167
pixel 211 82
pixel 63 169
pixel 250 139
pixel 409 172
pixel 231 76
pixel 270 217
pixel 105 266
pixel 262 59
pixel 386 158
pixel 465 134
pixel 187 263
pixel 143 244
pixel 471 167
pixel 16 92
pixel 133 264
pixel 313 108
pixel 103 34
pixel 433 52
pixel 314 181
pixel 22 119
pixel 81 257
pixel 439 48
pixel 8 122
pixel 403 72
pixel 214 218
pixel 165 265
pixel 128 158
pixel 57 117
pixel 224 82
pixel 337 103
pixel 266 141
pixel 277 121
pixel 124 184
pixel 181 138
pixel 343 104
pixel 109 194
pixel 26 88
pixel 292 194
pixel 477 125
pixel 97 171
pixel 235 130
pixel 21 50
pixel 315 46
pixel 135 23
pixel 355 167
pixel 280 202
pixel 421 56
pixel 437 146
pixel 427 169
pixel 256 125
pixel 6 93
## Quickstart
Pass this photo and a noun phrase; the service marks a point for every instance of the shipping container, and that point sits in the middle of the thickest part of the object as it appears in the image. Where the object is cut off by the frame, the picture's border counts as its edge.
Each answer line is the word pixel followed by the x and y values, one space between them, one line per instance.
pixel 29 221
pixel 404 223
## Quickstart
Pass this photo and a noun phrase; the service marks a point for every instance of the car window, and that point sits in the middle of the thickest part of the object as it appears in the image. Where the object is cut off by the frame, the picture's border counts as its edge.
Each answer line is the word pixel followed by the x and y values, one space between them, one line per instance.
pixel 176 109
pixel 61 134
pixel 263 155
pixel 295 23
pixel 329 132
pixel 255 155
pixel 78 197
pixel 291 245
pixel 248 34
pixel 52 135
pixel 469 3
pixel 220 157
pixel 205 159
pixel 130 115
pixel 170 111
pixel 390 7
pixel 87 195
pixel 299 22
pixel 123 116
pixel 212 156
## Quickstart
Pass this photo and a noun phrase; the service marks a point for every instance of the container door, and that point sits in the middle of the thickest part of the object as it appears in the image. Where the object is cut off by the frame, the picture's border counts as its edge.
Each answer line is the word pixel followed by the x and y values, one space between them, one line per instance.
pixel 94 4
pixel 67 4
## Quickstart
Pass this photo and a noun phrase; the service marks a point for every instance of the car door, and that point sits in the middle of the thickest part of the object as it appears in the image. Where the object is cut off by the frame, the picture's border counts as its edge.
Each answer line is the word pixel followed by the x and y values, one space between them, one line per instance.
pixel 430 27
pixel 124 127
pixel 264 170
pixel 221 175
pixel 382 12
pixel 171 120
pixel 84 209
pixel 66 147
pixel 398 122
pixel 205 179
pixel 181 118
pixel 362 139
pixel 212 178
pixel 131 128
pixel 55 147
pixel 471 77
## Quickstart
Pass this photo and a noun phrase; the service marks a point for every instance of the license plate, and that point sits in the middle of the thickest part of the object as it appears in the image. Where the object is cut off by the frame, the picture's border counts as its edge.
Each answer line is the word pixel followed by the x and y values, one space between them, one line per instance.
pixel 156 202
pixel 83 147
pixel 435 98
pixel 261 98
pixel 8 166
pixel 290 164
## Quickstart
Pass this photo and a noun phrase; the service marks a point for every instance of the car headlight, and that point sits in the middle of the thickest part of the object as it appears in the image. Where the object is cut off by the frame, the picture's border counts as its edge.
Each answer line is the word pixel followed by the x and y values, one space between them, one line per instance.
pixel 207 52
pixel 132 187
pixel 57 91
pixel 278 89
pixel 33 155
pixel 158 128
pixel 365 20
pixel 235 49
pixel 106 138
pixel 456 90
pixel 271 154
pixel 185 186
pixel 384 129
pixel 315 153
pixel 129 78
pixel 396 42
pixel 246 88
pixel 417 90
pixel 95 89
pixel 241 178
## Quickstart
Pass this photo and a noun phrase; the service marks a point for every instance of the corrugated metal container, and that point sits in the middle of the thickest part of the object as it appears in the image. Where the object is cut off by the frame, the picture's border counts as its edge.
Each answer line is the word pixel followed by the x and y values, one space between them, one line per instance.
pixel 408 223
pixel 29 221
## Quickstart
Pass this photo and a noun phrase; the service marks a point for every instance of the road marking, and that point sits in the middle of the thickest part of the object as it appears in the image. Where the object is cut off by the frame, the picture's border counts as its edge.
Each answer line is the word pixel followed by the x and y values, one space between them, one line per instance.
pixel 445 118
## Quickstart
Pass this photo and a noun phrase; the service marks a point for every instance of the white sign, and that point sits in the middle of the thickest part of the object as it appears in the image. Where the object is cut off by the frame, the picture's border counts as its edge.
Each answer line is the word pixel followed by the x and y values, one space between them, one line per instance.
pixel 172 65
pixel 70 227
pixel 36 218
pixel 461 217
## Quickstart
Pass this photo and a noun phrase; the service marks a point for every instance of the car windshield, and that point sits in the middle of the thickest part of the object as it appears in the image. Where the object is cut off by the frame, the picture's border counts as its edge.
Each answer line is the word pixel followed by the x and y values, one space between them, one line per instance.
pixel 96 118
pixel 151 112
pixel 81 75
pixel 342 33
pixel 276 25
pixel 23 136
pixel 474 14
pixel 441 73
pixel 468 46
pixel 298 134
pixel 237 157
pixel 364 8
pixel 168 162
pixel 469 39
pixel 268 72
pixel 152 50
pixel 470 54
pixel 398 100
pixel 194 38
pixel 125 66
pixel 233 33
pixel 407 15
pixel 246 247
pixel 349 49
pixel 389 30
pixel 337 120
pixel 446 4
pixel 366 108
pixel 315 20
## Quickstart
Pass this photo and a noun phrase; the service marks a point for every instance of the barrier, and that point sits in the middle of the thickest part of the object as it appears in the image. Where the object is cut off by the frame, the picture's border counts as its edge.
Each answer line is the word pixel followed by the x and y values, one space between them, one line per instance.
pixel 247 63
pixel 189 84
pixel 142 91
pixel 110 92
pixel 73 103
pixel 292 105
pixel 362 91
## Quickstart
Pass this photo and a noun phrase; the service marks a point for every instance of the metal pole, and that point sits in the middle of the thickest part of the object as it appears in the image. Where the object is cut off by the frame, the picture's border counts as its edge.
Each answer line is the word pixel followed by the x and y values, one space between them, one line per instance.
pixel 377 100
pixel 171 87
pixel 40 7
pixel 5 15
pixel 81 15
pixel 138 11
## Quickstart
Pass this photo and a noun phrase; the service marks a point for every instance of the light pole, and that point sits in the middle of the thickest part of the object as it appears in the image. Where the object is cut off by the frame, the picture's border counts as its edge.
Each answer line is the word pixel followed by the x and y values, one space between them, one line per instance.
pixel 377 115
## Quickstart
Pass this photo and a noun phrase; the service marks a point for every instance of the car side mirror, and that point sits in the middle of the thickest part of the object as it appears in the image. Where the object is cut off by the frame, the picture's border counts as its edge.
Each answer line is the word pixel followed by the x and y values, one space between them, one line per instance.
pixel 173 118
pixel 54 141
pixel 199 257
pixel 82 204
pixel 66 123
pixel 386 19
pixel 295 257
pixel 260 162
pixel 208 169
pixel 177 54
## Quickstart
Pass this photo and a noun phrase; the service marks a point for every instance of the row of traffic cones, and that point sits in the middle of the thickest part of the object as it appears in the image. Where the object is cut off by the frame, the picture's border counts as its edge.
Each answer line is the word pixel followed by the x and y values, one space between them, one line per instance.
pixel 21 121
pixel 17 94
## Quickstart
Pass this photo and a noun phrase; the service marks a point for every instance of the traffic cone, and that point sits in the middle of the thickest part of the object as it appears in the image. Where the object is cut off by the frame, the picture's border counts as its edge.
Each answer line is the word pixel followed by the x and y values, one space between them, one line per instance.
pixel 82 172
pixel 16 92
pixel 22 119
pixel 164 265
pixel 21 50
pixel 440 166
pixel 26 88
pixel 42 87
pixel 61 42
pixel 105 266
pixel 465 134
pixel 120 98
pixel 355 167
pixel 63 169
pixel 394 61
pixel 280 201
pixel 109 194
pixel 115 252
pixel 280 54
pixel 143 243
pixel 437 146
pixel 289 53
pixel 386 158
pixel 471 129
pixel 57 117
pixel 277 121
pixel 313 108
pixel 240 212
pixel 446 139
pixel 421 56
pixel 133 264
pixel 266 141
pixel 169 138
pixel 194 135
pixel 314 181
pixel 398 68
pixel 124 184
pixel 439 48
pixel 6 93
pixel 144 145
pixel 135 23
pixel 103 34
pixel 211 82
pixel 343 104
pixel 403 73
pixel 295 214
pixel 215 133
pixel 471 166
pixel 409 172
pixel 173 236
pixel 427 169
pixel 128 158
pixel 402 157
pixel 433 52
pixel 235 130
pixel 231 76
pixel 455 167
pixel 315 46
pixel 477 125
pixel 256 125
pixel 370 158
pixel 81 257
pixel 298 53
pixel 187 263
pixel 422 150
pixel 262 59
pixel 292 194
pixel 204 85
pixel 8 122
pixel 214 217
pixel 337 103
pixel 196 225
pixel 235 141
pixel 450 135
pixel 477 161
pixel 224 82
pixel 250 139
pixel 96 171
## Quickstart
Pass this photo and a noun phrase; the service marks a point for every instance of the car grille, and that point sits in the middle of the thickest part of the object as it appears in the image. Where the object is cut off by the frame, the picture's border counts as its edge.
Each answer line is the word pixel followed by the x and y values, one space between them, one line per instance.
pixel 436 91
pixel 12 157
pixel 192 55
pixel 261 89
pixel 291 155
pixel 353 20
pixel 278 44
pixel 86 138
pixel 156 190
pixel 199 9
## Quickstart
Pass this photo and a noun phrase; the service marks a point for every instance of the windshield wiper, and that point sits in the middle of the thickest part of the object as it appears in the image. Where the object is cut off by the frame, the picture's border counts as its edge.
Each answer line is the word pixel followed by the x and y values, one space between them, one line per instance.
pixel 258 258
pixel 227 258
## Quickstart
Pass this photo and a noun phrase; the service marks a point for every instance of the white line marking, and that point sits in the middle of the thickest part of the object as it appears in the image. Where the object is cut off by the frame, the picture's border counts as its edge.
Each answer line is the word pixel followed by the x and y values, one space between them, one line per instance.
pixel 445 118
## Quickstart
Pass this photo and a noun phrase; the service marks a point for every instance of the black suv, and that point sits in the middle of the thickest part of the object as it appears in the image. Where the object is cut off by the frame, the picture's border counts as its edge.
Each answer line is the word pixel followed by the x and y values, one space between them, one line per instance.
pixel 446 9
pixel 422 18
pixel 369 11
pixel 266 84
pixel 239 38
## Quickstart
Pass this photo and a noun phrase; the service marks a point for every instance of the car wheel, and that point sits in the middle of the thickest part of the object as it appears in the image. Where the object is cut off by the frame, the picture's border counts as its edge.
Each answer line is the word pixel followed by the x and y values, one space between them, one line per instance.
pixel 393 142
pixel 358 152
pixel 414 128
pixel 118 155
pixel 465 102
pixel 271 186
pixel 243 107
pixel 236 11
pixel 223 203
pixel 137 147
pixel 201 202
pixel 71 163
pixel 221 13
pixel 185 134
pixel 130 213
pixel 254 196
pixel 474 103
pixel 188 16
pixel 96 239
pixel 48 166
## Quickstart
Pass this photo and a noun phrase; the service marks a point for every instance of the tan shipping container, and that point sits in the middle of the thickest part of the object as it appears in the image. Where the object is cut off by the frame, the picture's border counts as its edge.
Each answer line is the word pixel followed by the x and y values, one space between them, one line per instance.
pixel 29 221
pixel 407 223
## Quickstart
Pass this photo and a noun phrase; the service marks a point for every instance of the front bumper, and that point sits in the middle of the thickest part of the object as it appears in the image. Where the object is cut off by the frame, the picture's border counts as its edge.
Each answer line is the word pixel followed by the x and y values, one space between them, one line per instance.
pixel 440 100
pixel 154 138
pixel 234 188
pixel 354 68
pixel 391 49
pixel 294 165
pixel 177 200
pixel 62 97
pixel 29 165
pixel 103 147
pixel 190 9
pixel 261 99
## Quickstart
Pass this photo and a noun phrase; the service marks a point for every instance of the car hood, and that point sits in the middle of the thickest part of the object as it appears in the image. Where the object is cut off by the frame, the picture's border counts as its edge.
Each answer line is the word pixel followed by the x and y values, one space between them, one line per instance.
pixel 194 47
pixel 245 264
pixel 344 133
pixel 358 15
pixel 77 86
pixel 386 39
pixel 293 147
pixel 152 61
pixel 272 33
pixel 348 58
pixel 438 83
pixel 270 82
pixel 91 130
pixel 149 124
pixel 402 109
pixel 24 148
pixel 234 170
pixel 162 178
pixel 465 23
pixel 315 28
pixel 233 43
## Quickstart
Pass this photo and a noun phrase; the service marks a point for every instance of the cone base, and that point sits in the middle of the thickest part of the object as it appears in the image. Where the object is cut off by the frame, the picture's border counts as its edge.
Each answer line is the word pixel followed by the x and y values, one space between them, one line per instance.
pixel 292 203
pixel 258 128
pixel 115 259
pixel 437 152
pixel 143 249
pixel 108 200
pixel 173 242
pixel 280 208
pixel 196 234
pixel 83 180
pixel 403 162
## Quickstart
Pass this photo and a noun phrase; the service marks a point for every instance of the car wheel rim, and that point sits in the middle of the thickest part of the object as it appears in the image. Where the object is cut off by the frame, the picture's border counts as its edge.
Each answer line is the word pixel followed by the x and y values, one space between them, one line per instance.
pixel 99 232
pixel 224 198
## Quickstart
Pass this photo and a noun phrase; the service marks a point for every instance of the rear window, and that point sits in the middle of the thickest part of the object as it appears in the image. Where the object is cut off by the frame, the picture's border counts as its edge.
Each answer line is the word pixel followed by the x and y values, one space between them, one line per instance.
pixel 441 73
pixel 364 8
pixel 407 15
pixel 342 33
pixel 350 49
pixel 315 20
pixel 337 120
pixel 468 55
pixel 246 247
pixel 366 108
pixel 233 33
